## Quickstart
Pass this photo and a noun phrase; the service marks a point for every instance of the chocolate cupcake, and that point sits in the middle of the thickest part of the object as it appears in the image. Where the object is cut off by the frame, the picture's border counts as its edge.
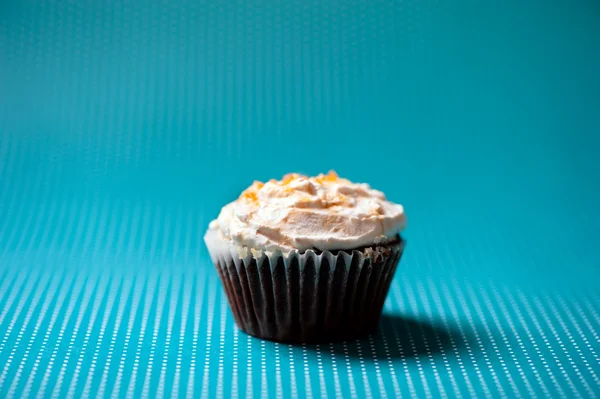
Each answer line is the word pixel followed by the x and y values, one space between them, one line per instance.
pixel 307 259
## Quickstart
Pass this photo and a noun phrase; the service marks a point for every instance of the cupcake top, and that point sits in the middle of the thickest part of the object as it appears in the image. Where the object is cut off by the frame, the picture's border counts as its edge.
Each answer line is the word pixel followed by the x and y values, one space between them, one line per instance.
pixel 299 212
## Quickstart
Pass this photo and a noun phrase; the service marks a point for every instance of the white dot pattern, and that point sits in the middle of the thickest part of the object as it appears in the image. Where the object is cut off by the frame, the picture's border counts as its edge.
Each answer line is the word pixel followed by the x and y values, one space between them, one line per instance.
pixel 428 343
pixel 125 126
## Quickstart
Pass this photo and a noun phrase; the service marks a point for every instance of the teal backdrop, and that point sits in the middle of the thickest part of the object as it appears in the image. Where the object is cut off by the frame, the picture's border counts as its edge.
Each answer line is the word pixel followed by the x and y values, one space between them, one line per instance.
pixel 126 125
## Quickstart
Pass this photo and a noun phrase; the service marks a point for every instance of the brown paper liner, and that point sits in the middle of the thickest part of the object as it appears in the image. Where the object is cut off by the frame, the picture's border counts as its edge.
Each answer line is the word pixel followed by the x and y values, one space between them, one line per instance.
pixel 308 297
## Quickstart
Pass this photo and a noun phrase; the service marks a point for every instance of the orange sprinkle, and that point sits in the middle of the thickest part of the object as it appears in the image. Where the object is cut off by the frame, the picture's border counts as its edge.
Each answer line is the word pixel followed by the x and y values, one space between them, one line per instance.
pixel 330 176
pixel 290 177
pixel 258 184
pixel 251 193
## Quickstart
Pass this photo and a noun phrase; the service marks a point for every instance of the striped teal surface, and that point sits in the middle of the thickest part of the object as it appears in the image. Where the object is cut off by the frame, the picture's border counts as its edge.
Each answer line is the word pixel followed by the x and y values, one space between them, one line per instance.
pixel 124 127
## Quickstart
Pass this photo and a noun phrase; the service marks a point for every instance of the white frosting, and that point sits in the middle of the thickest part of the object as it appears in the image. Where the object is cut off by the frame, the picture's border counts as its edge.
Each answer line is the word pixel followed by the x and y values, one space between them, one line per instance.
pixel 298 212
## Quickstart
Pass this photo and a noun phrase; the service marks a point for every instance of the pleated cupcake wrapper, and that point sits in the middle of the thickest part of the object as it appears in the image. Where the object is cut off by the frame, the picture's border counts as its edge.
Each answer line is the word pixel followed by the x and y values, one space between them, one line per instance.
pixel 306 297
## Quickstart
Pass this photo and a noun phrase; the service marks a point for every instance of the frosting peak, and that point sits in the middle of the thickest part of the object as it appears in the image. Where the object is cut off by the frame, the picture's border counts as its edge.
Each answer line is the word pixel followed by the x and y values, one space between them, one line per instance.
pixel 300 212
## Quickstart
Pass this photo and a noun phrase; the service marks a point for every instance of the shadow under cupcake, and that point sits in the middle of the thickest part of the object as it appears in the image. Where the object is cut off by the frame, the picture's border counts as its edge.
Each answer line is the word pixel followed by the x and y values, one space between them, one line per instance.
pixel 307 259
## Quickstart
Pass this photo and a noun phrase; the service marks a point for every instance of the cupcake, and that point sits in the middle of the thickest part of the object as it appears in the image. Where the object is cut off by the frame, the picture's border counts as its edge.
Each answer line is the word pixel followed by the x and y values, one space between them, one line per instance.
pixel 307 259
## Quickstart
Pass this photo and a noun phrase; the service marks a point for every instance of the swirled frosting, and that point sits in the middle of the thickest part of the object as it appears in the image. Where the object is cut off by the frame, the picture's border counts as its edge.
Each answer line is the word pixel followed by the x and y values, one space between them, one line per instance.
pixel 298 212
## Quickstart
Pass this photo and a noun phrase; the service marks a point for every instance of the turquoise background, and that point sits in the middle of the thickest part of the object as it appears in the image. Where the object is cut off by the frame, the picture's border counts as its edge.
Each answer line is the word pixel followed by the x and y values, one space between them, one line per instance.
pixel 126 125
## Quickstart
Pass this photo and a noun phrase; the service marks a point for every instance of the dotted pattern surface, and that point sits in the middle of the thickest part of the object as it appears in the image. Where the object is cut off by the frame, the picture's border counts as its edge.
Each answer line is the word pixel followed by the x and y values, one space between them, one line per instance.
pixel 117 333
pixel 124 128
